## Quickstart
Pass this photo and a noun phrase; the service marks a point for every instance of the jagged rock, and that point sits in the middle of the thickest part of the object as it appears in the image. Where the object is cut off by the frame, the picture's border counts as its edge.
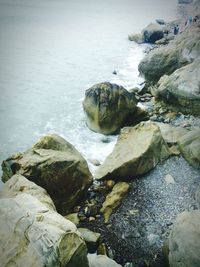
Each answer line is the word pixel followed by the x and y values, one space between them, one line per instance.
pixel 91 238
pixel 107 107
pixel 101 261
pixel 57 166
pixel 18 184
pixel 113 199
pixel 184 240
pixel 165 60
pixel 32 234
pixel 189 146
pixel 137 151
pixel 181 88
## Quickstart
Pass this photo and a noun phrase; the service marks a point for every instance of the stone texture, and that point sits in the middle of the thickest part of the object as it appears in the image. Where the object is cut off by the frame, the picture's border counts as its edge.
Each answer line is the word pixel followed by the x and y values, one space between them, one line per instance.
pixel 91 238
pixel 18 184
pixel 137 151
pixel 107 107
pixel 113 199
pixel 57 166
pixel 101 261
pixel 189 146
pixel 181 89
pixel 33 234
pixel 184 240
pixel 165 60
pixel 171 134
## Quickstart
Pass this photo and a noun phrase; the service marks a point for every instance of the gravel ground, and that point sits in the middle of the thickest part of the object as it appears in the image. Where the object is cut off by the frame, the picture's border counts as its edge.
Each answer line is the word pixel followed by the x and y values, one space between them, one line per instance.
pixel 137 230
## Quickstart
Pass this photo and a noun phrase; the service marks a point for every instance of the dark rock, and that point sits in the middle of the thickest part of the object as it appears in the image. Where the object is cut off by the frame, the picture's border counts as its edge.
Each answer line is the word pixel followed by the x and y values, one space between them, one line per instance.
pixel 107 107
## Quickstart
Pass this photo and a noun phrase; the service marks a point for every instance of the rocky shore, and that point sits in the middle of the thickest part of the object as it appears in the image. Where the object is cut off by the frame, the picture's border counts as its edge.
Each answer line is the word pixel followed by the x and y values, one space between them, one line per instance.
pixel 141 206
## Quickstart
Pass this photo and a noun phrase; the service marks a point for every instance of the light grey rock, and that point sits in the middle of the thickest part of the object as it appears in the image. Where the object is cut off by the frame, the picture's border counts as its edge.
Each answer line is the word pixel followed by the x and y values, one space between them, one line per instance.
pixel 101 261
pixel 18 184
pixel 181 89
pixel 184 240
pixel 33 235
pixel 189 146
pixel 165 60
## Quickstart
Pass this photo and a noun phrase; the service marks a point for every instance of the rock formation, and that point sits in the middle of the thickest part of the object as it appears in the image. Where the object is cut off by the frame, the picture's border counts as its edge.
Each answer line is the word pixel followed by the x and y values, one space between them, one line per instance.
pixel 107 107
pixel 57 166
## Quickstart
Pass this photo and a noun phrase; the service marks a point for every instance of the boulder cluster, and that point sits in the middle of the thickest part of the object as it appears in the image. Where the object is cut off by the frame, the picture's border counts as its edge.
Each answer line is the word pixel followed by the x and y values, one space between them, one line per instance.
pixel 49 190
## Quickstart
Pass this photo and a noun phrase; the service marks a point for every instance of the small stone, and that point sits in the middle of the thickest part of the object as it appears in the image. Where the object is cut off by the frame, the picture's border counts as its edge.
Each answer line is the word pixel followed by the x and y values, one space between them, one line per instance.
pixel 110 184
pixel 169 179
pixel 91 238
pixel 91 219
pixel 101 250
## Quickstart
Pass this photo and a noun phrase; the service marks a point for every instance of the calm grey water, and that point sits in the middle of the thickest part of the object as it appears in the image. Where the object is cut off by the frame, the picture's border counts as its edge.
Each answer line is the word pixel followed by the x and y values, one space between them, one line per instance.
pixel 51 51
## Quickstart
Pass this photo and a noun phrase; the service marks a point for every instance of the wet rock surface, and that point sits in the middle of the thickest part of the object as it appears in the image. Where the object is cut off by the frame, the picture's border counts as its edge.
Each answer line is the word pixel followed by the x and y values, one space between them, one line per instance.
pixel 136 231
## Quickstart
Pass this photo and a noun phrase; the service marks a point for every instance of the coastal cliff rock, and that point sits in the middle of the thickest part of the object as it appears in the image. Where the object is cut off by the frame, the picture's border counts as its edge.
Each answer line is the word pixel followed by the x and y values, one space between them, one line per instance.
pixel 181 88
pixel 57 166
pixel 137 151
pixel 107 107
pixel 179 52
pixel 184 240
pixel 189 146
pixel 31 234
pixel 150 34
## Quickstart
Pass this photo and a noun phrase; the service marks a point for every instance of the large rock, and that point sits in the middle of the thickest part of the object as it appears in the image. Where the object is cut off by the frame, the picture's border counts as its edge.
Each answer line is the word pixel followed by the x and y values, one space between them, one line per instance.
pixel 171 134
pixel 33 234
pixel 165 60
pixel 150 34
pixel 57 166
pixel 101 261
pixel 18 184
pixel 107 107
pixel 189 146
pixel 153 32
pixel 181 88
pixel 137 151
pixel 113 199
pixel 184 240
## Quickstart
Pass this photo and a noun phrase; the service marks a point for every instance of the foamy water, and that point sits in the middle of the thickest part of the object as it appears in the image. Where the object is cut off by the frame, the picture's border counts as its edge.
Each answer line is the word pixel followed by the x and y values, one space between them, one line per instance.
pixel 52 51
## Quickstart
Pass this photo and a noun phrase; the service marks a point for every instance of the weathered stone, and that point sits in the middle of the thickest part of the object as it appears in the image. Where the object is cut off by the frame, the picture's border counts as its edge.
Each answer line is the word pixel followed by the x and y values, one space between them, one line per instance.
pixel 31 234
pixel 184 240
pixel 18 184
pixel 101 261
pixel 171 134
pixel 197 197
pixel 73 217
pixel 107 107
pixel 165 60
pixel 189 146
pixel 91 238
pixel 181 89
pixel 136 152
pixel 113 199
pixel 153 32
pixel 57 166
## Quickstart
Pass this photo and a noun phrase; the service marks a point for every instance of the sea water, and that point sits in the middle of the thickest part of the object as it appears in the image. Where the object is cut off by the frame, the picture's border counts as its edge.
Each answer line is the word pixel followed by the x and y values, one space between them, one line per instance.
pixel 51 51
